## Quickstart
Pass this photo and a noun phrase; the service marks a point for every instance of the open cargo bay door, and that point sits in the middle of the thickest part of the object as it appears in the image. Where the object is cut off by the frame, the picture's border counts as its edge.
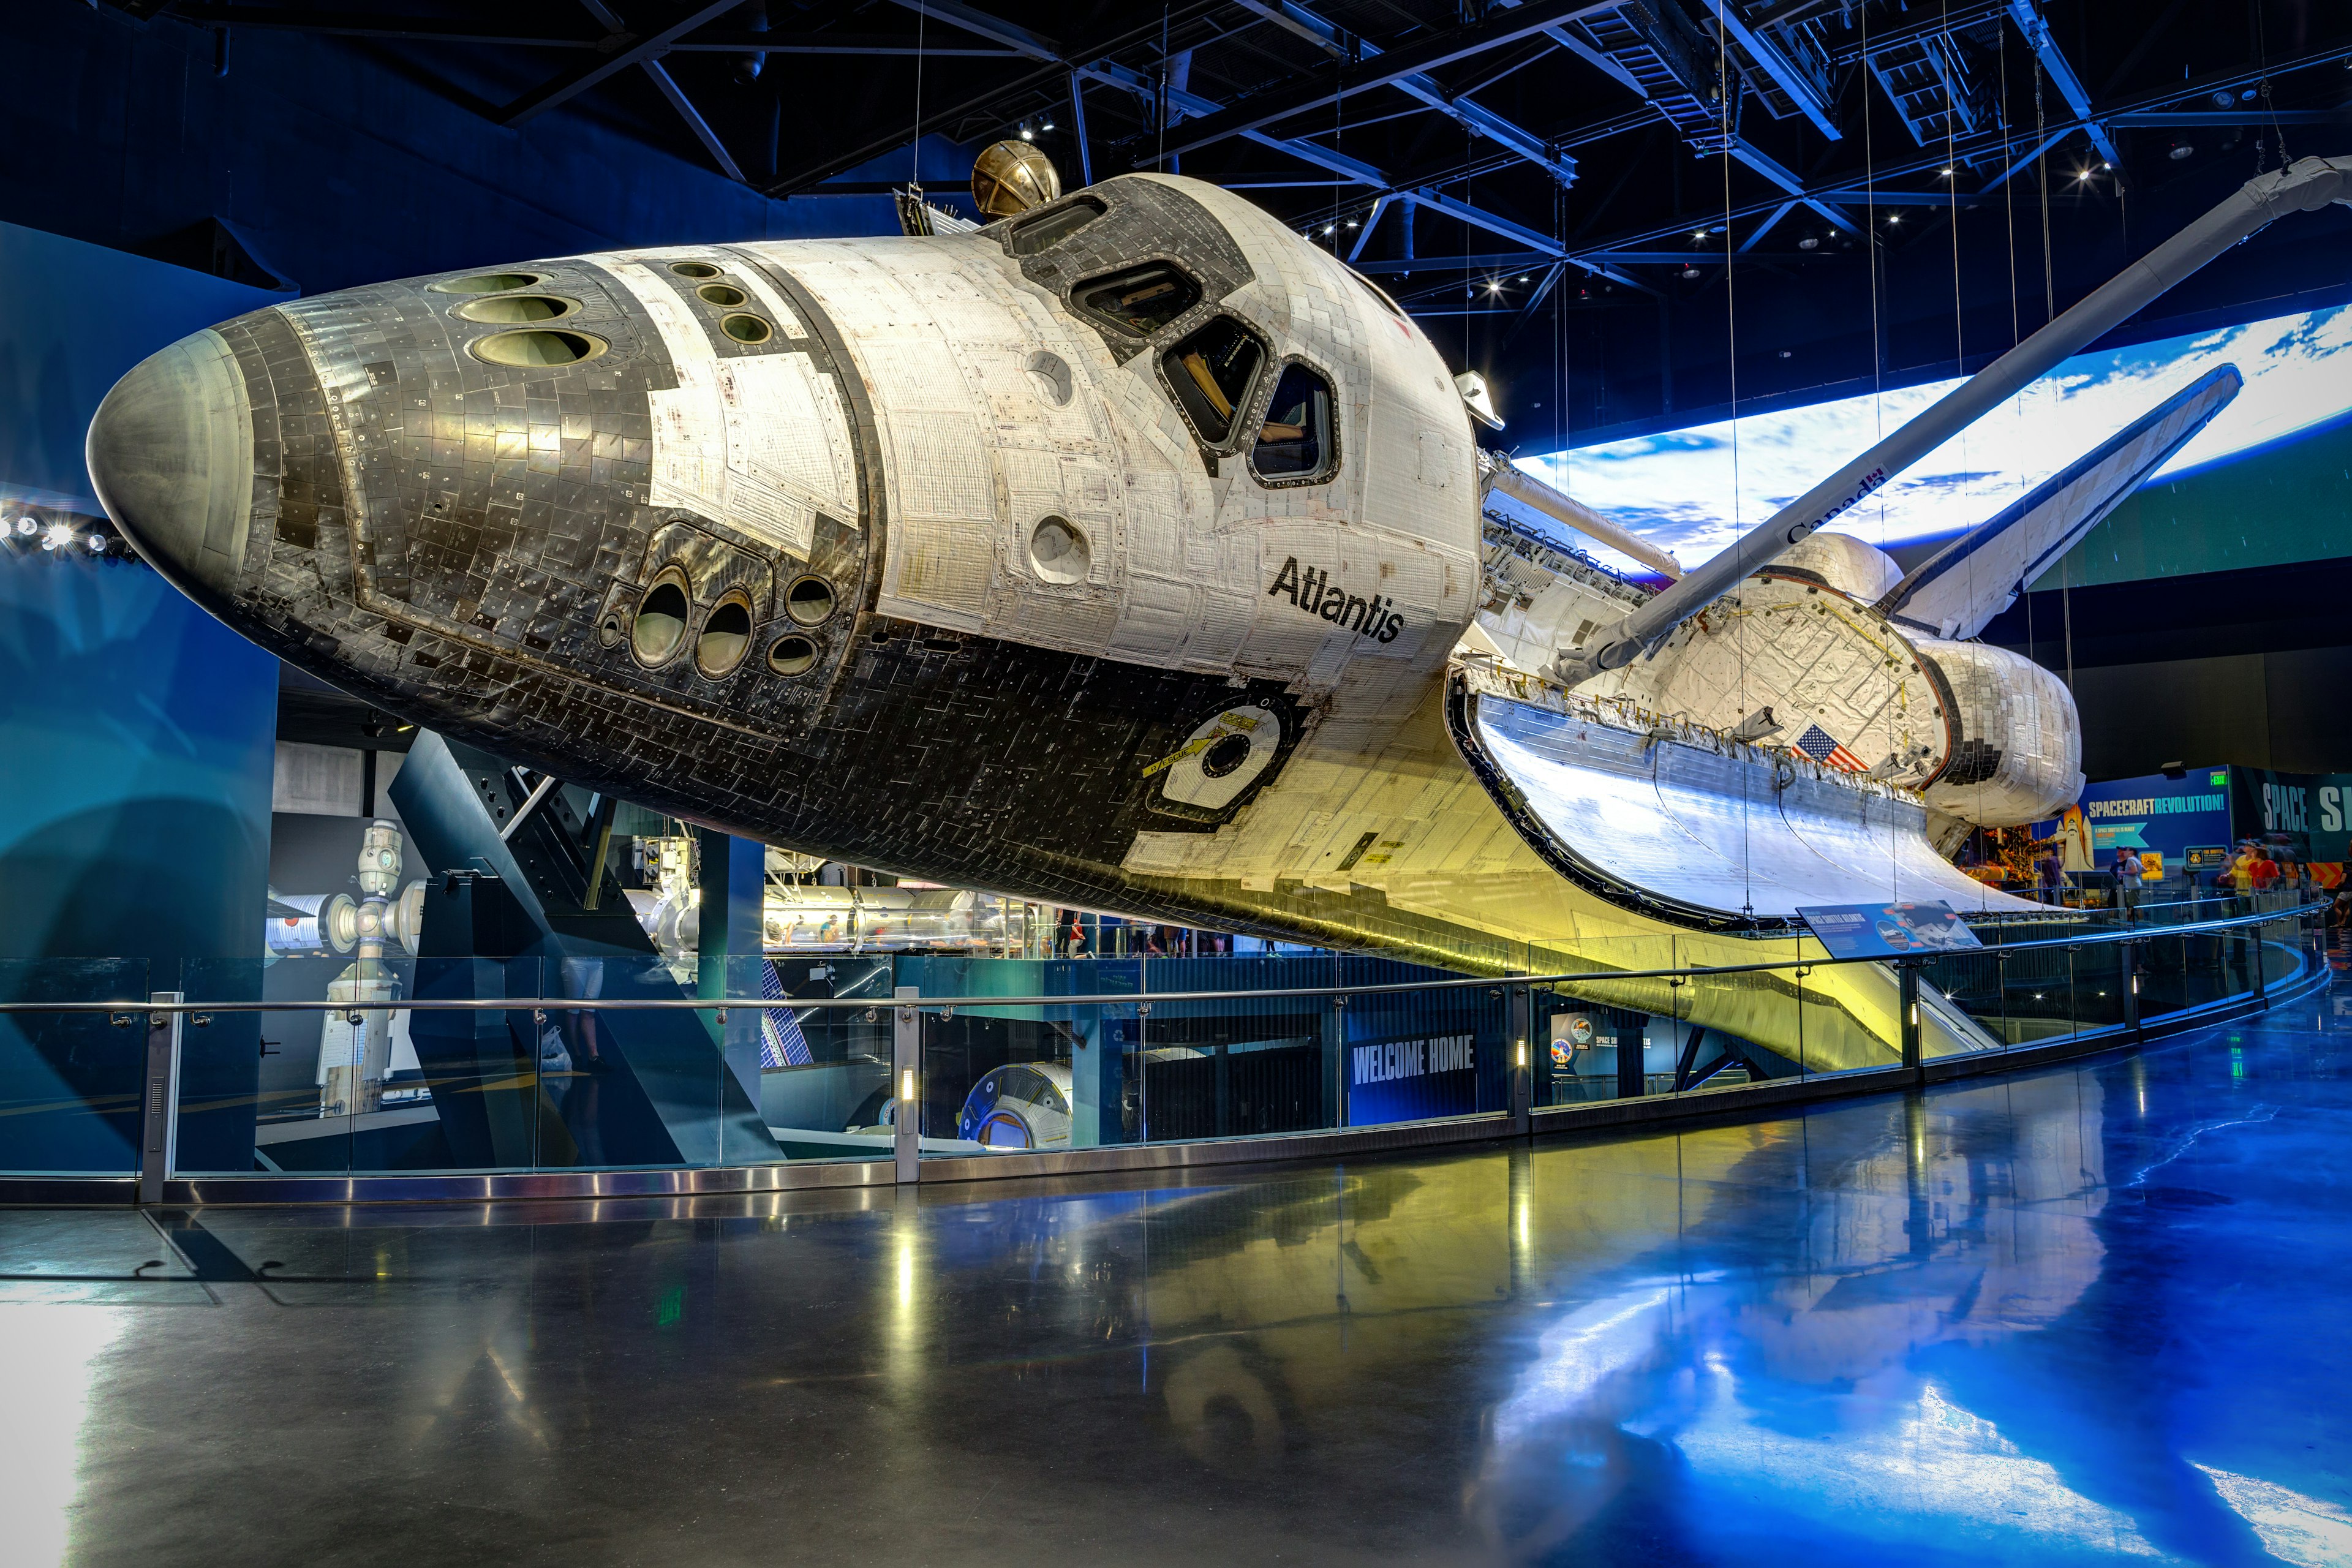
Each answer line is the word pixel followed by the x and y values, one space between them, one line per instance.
pixel 1680 823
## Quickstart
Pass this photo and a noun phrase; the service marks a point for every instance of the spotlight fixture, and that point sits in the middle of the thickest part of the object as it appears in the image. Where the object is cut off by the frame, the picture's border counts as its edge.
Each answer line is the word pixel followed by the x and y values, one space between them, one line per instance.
pixel 1946 174
pixel 58 535
pixel 1809 243
pixel 1894 217
pixel 2104 165
pixel 27 525
pixel 1698 234
pixel 96 542
pixel 2224 99
pixel 2180 149
pixel 1523 277
pixel 1028 134
pixel 1784 353
pixel 1494 288
pixel 1047 125
pixel 1352 224
pixel 1690 271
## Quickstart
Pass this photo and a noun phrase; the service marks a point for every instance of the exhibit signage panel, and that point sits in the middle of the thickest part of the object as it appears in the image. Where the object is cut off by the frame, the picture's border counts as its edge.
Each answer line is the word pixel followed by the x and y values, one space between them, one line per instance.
pixel 2303 813
pixel 1414 1077
pixel 2169 815
pixel 1887 930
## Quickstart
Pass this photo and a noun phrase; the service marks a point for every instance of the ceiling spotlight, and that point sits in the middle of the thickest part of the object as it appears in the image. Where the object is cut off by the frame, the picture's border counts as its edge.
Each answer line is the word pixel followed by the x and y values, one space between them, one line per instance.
pixel 97 543
pixel 1523 277
pixel 2224 99
pixel 1028 134
pixel 1894 217
pixel 1494 288
pixel 2106 165
pixel 1784 353
pixel 1946 174
pixel 27 525
pixel 58 535
pixel 1809 243
pixel 1327 228
pixel 2248 96
pixel 1352 223
pixel 1690 271
pixel 1049 125
pixel 1698 234
pixel 2180 149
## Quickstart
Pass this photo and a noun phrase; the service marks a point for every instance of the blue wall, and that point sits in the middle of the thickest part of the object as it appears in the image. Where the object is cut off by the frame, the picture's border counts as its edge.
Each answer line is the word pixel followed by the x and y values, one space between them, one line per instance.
pixel 136 739
pixel 337 162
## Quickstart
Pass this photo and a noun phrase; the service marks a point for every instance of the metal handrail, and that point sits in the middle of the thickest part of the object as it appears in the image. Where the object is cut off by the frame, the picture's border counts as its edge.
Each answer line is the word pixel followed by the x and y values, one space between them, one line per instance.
pixel 1121 998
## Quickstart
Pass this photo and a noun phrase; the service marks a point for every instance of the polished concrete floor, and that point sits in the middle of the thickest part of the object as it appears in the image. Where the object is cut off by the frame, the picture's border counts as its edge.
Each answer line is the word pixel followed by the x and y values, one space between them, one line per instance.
pixel 2092 1314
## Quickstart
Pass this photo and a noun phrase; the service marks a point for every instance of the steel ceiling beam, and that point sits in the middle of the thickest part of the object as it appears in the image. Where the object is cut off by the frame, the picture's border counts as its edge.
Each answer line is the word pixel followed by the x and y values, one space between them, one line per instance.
pixel 2077 98
pixel 1772 62
pixel 402 28
pixel 1533 239
pixel 627 50
pixel 1428 54
pixel 610 19
pixel 1037 46
pixel 1475 118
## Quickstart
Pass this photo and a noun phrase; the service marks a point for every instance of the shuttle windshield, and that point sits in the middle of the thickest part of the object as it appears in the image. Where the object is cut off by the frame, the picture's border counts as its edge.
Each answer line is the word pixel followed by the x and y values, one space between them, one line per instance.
pixel 1294 445
pixel 1212 372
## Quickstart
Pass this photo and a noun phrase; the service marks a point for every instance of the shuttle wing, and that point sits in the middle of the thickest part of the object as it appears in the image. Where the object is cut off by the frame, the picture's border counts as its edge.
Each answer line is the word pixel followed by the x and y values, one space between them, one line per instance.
pixel 1979 574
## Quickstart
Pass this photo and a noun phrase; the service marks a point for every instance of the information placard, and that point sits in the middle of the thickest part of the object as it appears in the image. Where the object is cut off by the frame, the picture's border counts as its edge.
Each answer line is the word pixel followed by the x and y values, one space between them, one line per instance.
pixel 1887 930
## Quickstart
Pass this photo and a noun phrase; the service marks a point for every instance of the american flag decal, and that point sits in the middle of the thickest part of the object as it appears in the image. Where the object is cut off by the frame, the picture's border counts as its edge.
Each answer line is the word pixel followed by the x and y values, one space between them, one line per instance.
pixel 782 1044
pixel 1816 743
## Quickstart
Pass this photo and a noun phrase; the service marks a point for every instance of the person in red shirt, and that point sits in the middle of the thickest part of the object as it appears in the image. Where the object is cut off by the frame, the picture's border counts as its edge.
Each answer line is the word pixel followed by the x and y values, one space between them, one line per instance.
pixel 2265 871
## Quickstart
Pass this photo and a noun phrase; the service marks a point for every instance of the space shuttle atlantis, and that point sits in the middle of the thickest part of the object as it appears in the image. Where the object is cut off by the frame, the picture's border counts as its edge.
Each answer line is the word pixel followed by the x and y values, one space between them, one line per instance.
pixel 1130 554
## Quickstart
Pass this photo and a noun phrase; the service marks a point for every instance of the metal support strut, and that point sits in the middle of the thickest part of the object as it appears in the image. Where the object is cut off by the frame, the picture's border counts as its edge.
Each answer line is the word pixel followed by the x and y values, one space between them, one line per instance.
pixel 159 1098
pixel 906 1072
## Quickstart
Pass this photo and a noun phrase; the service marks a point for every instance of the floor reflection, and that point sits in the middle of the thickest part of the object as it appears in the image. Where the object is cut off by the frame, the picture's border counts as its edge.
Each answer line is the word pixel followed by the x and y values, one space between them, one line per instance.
pixel 2078 1317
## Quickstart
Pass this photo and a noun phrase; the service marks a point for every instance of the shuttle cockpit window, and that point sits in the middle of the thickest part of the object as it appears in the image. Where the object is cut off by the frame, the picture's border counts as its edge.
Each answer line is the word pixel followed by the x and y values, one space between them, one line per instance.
pixel 1212 372
pixel 1048 229
pixel 1294 445
pixel 1138 299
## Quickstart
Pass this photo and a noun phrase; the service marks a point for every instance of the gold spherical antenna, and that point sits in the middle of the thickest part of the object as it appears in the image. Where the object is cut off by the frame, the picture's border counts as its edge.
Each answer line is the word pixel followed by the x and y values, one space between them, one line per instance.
pixel 1011 177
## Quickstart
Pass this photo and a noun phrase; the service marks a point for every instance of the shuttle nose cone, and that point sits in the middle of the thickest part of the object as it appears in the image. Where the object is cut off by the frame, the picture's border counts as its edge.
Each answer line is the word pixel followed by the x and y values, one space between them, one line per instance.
pixel 171 452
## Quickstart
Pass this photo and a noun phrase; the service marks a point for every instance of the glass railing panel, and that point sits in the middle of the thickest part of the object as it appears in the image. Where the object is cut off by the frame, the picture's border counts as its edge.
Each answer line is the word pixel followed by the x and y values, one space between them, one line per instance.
pixel 1752 1027
pixel 1577 1026
pixel 501 1089
pixel 70 1082
pixel 1963 1008
pixel 2101 979
pixel 1414 1056
pixel 822 1074
pixel 1250 1065
pixel 250 1081
pixel 1018 1078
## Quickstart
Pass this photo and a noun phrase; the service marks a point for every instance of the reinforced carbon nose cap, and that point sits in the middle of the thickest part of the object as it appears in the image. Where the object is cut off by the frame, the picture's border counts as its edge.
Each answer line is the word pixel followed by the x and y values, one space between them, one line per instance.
pixel 170 453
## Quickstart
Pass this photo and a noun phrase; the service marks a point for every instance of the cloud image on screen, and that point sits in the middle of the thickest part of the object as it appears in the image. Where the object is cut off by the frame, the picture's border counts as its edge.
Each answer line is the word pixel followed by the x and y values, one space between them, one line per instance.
pixel 1695 490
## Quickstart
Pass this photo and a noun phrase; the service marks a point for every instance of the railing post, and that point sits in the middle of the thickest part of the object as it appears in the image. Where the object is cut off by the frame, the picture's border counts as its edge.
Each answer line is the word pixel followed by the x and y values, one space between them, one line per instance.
pixel 1907 973
pixel 159 1098
pixel 2262 970
pixel 1520 1028
pixel 907 1067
